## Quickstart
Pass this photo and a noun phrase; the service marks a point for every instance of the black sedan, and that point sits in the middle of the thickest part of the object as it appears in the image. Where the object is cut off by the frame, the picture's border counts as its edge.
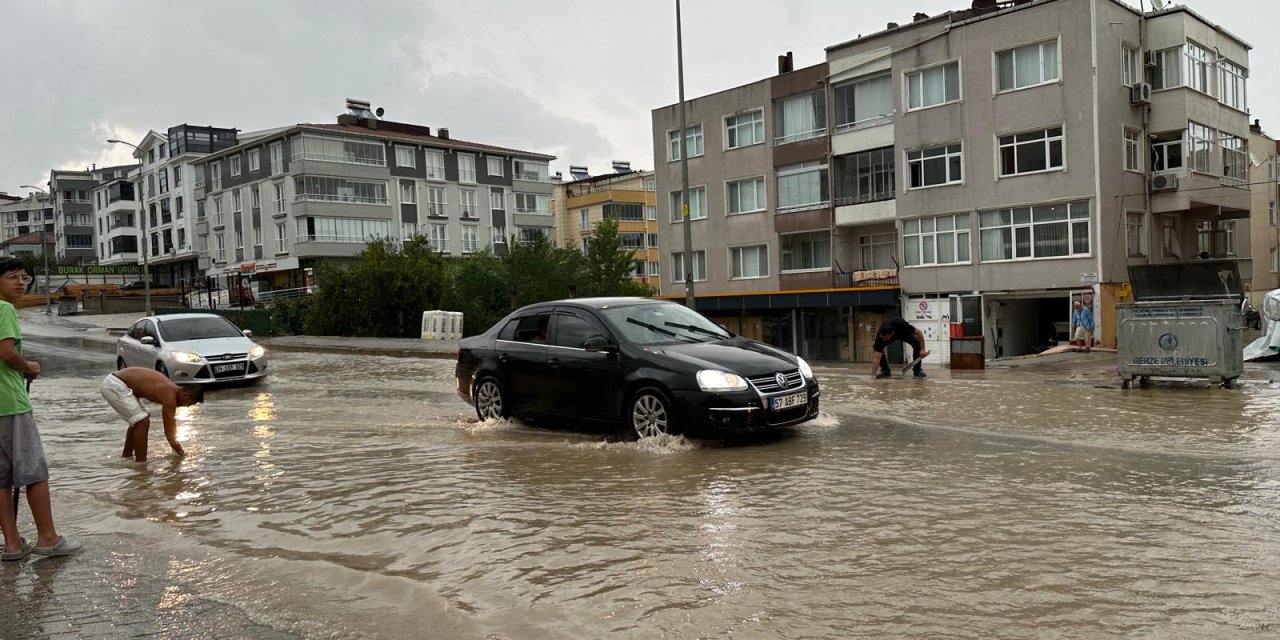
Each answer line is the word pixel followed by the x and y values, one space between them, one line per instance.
pixel 655 366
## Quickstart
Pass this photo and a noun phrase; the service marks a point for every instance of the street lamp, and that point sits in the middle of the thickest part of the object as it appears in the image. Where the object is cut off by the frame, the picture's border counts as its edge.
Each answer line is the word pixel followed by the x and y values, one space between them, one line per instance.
pixel 44 246
pixel 683 145
pixel 142 220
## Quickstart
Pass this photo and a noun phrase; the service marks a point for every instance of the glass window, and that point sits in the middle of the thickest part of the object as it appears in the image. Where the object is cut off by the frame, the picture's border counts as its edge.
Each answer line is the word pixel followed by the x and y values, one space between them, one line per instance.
pixel 1199 147
pixel 255 163
pixel 1042 231
pixel 746 196
pixel 437 204
pixel 277 157
pixel 693 142
pixel 495 166
pixel 408 192
pixel 802 186
pixel 806 251
pixel 434 164
pixel 235 165
pixel 1231 83
pixel 1167 72
pixel 1166 152
pixel 1235 158
pixel 1198 68
pixel 742 130
pixel 699 266
pixel 330 189
pixel 1136 233
pixel 697 204
pixel 867 176
pixel 800 117
pixel 1027 66
pixel 342 150
pixel 749 262
pixel 936 240
pixel 470 238
pixel 572 331
pixel 879 250
pixel 466 168
pixel 1031 151
pixel 1130 72
pixel 863 100
pixel 935 166
pixel 497 199
pixel 468 205
pixel 1132 149
pixel 405 157
pixel 933 86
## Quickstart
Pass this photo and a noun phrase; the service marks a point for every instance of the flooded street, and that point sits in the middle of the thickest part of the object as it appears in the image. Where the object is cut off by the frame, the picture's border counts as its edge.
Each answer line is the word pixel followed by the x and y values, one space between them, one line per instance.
pixel 359 497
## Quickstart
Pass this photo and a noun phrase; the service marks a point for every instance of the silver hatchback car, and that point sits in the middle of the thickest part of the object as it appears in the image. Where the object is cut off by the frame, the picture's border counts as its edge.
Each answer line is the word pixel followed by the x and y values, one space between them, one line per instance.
pixel 192 347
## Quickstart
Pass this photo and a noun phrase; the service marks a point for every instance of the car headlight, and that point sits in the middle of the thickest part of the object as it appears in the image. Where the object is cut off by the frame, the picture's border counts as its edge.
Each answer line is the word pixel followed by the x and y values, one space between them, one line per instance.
pixel 257 351
pixel 805 369
pixel 189 358
pixel 715 380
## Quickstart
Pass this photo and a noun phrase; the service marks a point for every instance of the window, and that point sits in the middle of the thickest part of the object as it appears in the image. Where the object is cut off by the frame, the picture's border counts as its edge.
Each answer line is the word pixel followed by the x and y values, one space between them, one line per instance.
pixel 436 202
pixel 802 186
pixel 1027 66
pixel 749 262
pixel 934 166
pixel 878 250
pixel 533 203
pixel 1030 152
pixel 1198 68
pixel 278 188
pixel 1043 231
pixel 404 157
pixel 470 238
pixel 1132 150
pixel 328 189
pixel 217 212
pixel 631 212
pixel 468 204
pixel 650 184
pixel 177 177
pixel 499 235
pixel 199 210
pixel 653 240
pixel 408 230
pixel 239 241
pixel 235 165
pixel 215 170
pixel 346 151
pixel 497 200
pixel 257 236
pixel 254 162
pixel 744 130
pixel 1273 260
pixel 584 219
pixel 631 240
pixel 1234 158
pixel 1199 147
pixel 277 157
pixel 236 201
pixel 745 196
pixel 800 117
pixel 697 204
pixel 692 142
pixel 1167 72
pixel 1130 72
pixel 343 230
pixel 182 238
pixel 434 164
pixel 699 266
pixel 255 198
pixel 220 252
pixel 408 192
pixel 1216 239
pixel 163 175
pixel 1136 229
pixel 495 166
pixel 530 234
pixel 650 213
pixel 1170 244
pixel 937 240
pixel 862 101
pixel 466 168
pixel 1231 85
pixel 281 241
pixel 1166 152
pixel 806 251
pixel 1271 213
pixel 933 86
pixel 179 209
pixel 867 176
pixel 439 237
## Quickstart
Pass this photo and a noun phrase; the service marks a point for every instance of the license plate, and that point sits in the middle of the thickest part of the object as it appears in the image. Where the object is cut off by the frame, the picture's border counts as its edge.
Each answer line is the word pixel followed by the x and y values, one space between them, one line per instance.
pixel 223 368
pixel 786 402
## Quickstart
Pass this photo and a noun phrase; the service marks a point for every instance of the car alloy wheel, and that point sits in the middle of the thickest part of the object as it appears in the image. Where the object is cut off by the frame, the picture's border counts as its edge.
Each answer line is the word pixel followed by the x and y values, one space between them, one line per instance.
pixel 650 416
pixel 490 404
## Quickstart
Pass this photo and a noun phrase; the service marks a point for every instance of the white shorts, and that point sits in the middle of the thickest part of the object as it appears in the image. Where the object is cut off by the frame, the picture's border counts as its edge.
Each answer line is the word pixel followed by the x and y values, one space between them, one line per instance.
pixel 121 398
pixel 1081 332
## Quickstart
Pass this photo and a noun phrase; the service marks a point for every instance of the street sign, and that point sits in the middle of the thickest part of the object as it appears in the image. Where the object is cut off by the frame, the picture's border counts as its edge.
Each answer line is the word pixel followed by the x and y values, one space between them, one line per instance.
pixel 1088 278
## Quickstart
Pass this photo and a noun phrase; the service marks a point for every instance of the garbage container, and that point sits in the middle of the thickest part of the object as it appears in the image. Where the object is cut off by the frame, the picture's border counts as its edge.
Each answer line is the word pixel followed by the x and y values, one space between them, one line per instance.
pixel 968 352
pixel 68 306
pixel 1186 321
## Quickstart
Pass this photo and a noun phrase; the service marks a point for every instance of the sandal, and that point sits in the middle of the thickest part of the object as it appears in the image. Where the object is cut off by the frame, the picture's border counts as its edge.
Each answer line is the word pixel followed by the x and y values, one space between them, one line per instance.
pixel 10 556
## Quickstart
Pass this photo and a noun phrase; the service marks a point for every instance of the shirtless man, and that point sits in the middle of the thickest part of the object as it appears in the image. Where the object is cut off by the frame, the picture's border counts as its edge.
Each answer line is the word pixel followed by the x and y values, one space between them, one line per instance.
pixel 122 390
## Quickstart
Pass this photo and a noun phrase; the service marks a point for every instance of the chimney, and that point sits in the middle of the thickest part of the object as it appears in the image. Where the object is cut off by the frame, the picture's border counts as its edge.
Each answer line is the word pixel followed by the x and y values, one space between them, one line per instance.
pixel 892 25
pixel 442 133
pixel 920 16
pixel 786 63
pixel 1257 126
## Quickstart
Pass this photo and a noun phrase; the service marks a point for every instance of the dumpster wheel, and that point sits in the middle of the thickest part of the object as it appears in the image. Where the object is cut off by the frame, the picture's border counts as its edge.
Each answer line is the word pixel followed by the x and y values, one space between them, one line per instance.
pixel 1229 383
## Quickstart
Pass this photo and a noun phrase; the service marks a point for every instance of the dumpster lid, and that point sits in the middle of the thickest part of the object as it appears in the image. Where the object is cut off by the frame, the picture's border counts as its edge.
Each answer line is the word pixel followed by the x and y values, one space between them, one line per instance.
pixel 1203 279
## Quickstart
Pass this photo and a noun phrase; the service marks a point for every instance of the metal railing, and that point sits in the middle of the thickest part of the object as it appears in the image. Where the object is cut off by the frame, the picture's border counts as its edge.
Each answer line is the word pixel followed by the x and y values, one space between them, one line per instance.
pixel 797 137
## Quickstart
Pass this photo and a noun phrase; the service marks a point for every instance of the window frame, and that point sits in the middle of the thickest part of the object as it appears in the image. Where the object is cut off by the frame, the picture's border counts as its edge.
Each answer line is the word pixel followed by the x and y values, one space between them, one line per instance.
pixel 677 262
pixel 1239 85
pixel 698 139
pixel 955 233
pixel 1047 140
pixel 1131 145
pixel 1131 65
pixel 255 159
pixel 235 165
pixel 761 196
pixel 1012 51
pixel 489 166
pixel 844 94
pixel 946 155
pixel 783 251
pixel 819 167
pixel 920 71
pixel 737 257
pixel 400 158
pixel 1136 234
pixel 731 129
pixel 1013 226
pixel 674 200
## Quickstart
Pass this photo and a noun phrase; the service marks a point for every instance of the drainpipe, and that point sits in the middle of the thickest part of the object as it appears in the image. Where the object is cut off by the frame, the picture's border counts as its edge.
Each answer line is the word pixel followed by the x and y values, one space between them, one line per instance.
pixel 1096 230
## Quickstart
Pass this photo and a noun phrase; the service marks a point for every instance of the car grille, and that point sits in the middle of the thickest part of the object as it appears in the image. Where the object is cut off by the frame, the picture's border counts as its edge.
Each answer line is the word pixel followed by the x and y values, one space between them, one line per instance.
pixel 226 356
pixel 768 383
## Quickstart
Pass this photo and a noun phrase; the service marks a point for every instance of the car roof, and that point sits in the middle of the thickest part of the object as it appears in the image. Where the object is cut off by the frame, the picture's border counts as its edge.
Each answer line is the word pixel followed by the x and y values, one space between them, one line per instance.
pixel 595 303
pixel 180 316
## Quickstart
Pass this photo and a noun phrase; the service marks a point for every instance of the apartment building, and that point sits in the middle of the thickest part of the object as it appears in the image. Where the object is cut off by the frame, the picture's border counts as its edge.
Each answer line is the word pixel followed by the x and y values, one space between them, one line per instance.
pixel 275 205
pixel 761 213
pixel 1045 147
pixel 1264 235
pixel 72 197
pixel 165 205
pixel 625 196
pixel 115 215
pixel 20 216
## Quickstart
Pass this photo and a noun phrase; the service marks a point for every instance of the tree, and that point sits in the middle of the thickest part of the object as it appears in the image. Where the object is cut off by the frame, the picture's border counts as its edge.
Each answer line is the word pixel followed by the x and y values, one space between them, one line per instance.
pixel 609 266
pixel 382 293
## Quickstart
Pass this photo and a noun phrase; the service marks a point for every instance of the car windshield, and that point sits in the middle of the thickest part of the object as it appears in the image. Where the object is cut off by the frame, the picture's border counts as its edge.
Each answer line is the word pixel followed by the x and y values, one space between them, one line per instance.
pixel 180 329
pixel 663 322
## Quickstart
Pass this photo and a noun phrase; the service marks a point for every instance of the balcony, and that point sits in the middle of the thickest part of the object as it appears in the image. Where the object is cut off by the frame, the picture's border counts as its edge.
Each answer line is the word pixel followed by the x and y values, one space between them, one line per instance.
pixel 872 278
pixel 854 210
pixel 797 137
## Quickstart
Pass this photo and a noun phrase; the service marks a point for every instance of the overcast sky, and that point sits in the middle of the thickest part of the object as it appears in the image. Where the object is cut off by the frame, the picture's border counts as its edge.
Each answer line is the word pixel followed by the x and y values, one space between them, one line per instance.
pixel 573 78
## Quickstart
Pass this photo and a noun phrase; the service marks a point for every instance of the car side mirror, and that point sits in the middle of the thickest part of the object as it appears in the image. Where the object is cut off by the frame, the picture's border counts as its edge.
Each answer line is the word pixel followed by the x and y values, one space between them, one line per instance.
pixel 726 330
pixel 599 344
pixel 147 340
pixel 248 333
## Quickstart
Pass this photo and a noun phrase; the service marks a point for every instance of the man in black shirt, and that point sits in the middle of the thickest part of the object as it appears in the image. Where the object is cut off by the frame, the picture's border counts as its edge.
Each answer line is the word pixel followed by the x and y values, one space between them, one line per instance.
pixel 893 331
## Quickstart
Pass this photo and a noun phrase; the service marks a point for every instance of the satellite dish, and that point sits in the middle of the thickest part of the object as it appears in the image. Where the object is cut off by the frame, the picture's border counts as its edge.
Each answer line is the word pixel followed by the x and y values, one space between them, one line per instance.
pixel 1157 4
pixel 378 112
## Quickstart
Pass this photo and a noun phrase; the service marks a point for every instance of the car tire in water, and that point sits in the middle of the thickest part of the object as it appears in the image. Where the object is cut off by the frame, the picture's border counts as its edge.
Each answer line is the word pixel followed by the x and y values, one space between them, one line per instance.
pixel 490 400
pixel 649 414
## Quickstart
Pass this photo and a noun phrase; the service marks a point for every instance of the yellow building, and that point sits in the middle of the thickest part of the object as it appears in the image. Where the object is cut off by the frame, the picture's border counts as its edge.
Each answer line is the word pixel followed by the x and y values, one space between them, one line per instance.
pixel 629 197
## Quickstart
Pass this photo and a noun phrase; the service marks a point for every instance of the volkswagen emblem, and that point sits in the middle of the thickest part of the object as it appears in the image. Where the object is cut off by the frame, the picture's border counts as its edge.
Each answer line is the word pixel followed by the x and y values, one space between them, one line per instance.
pixel 781 380
pixel 1168 342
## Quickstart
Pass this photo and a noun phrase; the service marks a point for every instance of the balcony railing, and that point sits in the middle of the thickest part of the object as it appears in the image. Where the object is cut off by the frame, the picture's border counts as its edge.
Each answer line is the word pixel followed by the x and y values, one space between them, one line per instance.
pixel 466 175
pixel 531 176
pixel 532 210
pixel 844 201
pixel 863 124
pixel 871 278
pixel 469 212
pixel 436 210
pixel 435 173
pixel 803 207
pixel 797 137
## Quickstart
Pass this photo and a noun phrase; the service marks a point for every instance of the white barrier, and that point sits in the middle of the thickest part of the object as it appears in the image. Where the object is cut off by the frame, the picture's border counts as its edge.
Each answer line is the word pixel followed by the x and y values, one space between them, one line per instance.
pixel 441 325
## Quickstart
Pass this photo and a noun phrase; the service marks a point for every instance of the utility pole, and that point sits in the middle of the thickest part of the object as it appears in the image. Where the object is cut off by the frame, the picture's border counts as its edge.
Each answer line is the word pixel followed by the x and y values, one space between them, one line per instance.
pixel 682 143
pixel 142 221
pixel 44 247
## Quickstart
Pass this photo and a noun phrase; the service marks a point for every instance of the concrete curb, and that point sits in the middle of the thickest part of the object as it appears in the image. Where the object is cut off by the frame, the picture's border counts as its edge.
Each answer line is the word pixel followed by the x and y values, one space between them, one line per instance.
pixel 362 351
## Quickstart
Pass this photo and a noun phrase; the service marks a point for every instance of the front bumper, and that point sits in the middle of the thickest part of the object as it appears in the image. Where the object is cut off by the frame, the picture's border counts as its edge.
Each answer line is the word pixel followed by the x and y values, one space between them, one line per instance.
pixel 203 372
pixel 722 414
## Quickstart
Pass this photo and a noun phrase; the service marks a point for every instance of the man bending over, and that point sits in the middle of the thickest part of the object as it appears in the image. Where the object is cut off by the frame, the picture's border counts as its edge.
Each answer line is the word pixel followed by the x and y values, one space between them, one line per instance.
pixel 897 330
pixel 122 390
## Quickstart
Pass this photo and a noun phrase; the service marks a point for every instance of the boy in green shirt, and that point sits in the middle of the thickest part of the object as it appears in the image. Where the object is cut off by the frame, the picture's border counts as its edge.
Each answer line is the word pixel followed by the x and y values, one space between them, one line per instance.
pixel 22 462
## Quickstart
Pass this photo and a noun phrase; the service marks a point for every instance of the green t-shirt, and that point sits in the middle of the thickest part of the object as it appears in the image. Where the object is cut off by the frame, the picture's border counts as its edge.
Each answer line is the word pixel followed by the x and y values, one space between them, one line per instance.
pixel 13 382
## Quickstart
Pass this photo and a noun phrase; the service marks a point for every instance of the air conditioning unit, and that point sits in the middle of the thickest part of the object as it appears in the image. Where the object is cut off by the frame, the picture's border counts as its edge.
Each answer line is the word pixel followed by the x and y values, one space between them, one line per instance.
pixel 1140 93
pixel 1152 58
pixel 1164 182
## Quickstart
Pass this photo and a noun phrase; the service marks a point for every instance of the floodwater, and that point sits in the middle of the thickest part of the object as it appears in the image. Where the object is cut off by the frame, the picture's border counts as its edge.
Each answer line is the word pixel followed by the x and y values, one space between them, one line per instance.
pixel 359 497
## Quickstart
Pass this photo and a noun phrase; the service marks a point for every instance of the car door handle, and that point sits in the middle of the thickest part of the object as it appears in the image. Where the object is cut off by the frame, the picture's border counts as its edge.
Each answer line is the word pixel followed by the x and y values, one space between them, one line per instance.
pixel 503 358
pixel 554 362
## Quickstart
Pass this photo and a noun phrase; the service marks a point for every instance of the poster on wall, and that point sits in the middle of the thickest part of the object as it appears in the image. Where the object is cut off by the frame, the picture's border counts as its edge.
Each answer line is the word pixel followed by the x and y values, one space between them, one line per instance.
pixel 1084 325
